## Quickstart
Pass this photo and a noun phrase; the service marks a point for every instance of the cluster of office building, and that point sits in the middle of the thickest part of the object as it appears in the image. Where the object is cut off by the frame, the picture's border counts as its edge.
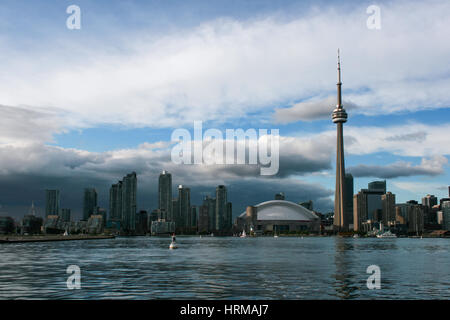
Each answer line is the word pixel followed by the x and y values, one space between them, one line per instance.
pixel 174 214
pixel 376 208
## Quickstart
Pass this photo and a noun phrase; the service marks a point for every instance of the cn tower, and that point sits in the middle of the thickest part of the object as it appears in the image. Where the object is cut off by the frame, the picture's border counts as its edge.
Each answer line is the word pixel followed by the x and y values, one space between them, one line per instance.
pixel 339 117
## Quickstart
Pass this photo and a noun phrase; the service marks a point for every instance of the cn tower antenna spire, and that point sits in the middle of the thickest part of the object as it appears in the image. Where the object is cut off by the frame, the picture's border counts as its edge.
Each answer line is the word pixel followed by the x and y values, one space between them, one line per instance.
pixel 339 83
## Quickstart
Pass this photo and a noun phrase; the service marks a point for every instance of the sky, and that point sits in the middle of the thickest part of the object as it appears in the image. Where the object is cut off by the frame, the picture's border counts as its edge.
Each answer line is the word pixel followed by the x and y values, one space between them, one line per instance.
pixel 83 107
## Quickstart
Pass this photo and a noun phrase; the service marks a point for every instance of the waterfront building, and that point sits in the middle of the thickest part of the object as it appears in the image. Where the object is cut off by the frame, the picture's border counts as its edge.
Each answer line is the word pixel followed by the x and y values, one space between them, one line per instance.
pixel 388 208
pixel 176 211
pixel 94 224
pixel 229 220
pixel 221 208
pixel 89 202
pixel 184 204
pixel 194 219
pixel 339 117
pixel 7 225
pixel 31 224
pixel 348 199
pixel 53 225
pixel 440 218
pixel 277 216
pixel 366 204
pixel 446 215
pixel 442 200
pixel 162 227
pixel 155 215
pixel 141 222
pixel 415 217
pixel 115 202
pixel 203 219
pixel 52 202
pixel 165 195
pixel 65 214
pixel 129 191
pixel 429 201
pixel 210 204
pixel 102 212
pixel 399 216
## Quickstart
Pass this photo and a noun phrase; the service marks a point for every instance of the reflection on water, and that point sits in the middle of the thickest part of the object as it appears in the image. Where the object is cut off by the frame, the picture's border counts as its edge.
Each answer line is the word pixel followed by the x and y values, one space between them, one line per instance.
pixel 227 268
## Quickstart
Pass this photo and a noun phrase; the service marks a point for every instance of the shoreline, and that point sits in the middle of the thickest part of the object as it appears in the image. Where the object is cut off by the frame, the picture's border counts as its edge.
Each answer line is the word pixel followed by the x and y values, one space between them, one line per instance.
pixel 47 238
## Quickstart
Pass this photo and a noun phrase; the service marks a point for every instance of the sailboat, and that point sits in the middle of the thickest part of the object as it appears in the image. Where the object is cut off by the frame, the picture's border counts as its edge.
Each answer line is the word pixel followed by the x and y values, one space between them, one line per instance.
pixel 243 234
pixel 275 234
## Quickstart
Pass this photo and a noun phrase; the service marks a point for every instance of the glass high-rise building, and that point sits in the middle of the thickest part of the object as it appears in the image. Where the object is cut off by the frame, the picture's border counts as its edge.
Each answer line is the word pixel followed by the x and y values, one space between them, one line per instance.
pixel 52 202
pixel 176 212
pixel 348 198
pixel 65 215
pixel 89 202
pixel 446 215
pixel 129 191
pixel 429 201
pixel 366 204
pixel 388 207
pixel 165 195
pixel 184 204
pixel 115 202
pixel 378 185
pixel 221 208
pixel 209 205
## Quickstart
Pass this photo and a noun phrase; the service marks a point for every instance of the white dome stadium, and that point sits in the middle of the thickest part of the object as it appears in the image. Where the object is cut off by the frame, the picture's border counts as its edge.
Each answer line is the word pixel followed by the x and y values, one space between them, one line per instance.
pixel 282 210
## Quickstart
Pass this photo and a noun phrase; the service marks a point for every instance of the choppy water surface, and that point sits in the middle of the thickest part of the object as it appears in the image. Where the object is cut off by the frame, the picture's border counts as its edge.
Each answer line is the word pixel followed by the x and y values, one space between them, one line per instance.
pixel 227 268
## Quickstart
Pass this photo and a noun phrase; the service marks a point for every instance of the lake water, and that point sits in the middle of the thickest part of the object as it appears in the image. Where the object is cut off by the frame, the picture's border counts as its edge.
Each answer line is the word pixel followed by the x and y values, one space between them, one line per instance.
pixel 227 268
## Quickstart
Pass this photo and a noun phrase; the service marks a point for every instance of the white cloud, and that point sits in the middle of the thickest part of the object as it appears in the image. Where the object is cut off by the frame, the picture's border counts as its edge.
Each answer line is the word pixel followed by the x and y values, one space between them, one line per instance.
pixel 420 187
pixel 225 69
pixel 412 139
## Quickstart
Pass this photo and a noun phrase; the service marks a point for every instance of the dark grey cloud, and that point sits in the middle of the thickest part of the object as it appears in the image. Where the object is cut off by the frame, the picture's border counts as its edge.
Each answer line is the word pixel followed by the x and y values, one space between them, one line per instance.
pixel 27 170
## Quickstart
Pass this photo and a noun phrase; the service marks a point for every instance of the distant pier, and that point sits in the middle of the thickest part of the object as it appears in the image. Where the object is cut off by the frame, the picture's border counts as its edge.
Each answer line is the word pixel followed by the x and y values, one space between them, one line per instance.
pixel 46 238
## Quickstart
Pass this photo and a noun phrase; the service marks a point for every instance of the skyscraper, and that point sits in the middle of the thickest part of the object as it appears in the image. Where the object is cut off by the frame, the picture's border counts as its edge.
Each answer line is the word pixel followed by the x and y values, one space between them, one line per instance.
pixel 115 202
pixel 129 190
pixel 194 219
pixel 209 209
pixel 388 204
pixel 430 214
pixel 378 185
pixel 184 203
pixel 221 207
pixel 65 215
pixel 340 117
pixel 165 195
pixel 348 198
pixel 176 212
pixel 89 202
pixel 446 215
pixel 366 205
pixel 429 201
pixel 203 219
pixel 229 220
pixel 52 202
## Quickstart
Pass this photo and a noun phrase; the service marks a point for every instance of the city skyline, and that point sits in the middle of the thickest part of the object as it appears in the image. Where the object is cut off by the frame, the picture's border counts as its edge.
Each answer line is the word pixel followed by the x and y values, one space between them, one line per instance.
pixel 397 130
